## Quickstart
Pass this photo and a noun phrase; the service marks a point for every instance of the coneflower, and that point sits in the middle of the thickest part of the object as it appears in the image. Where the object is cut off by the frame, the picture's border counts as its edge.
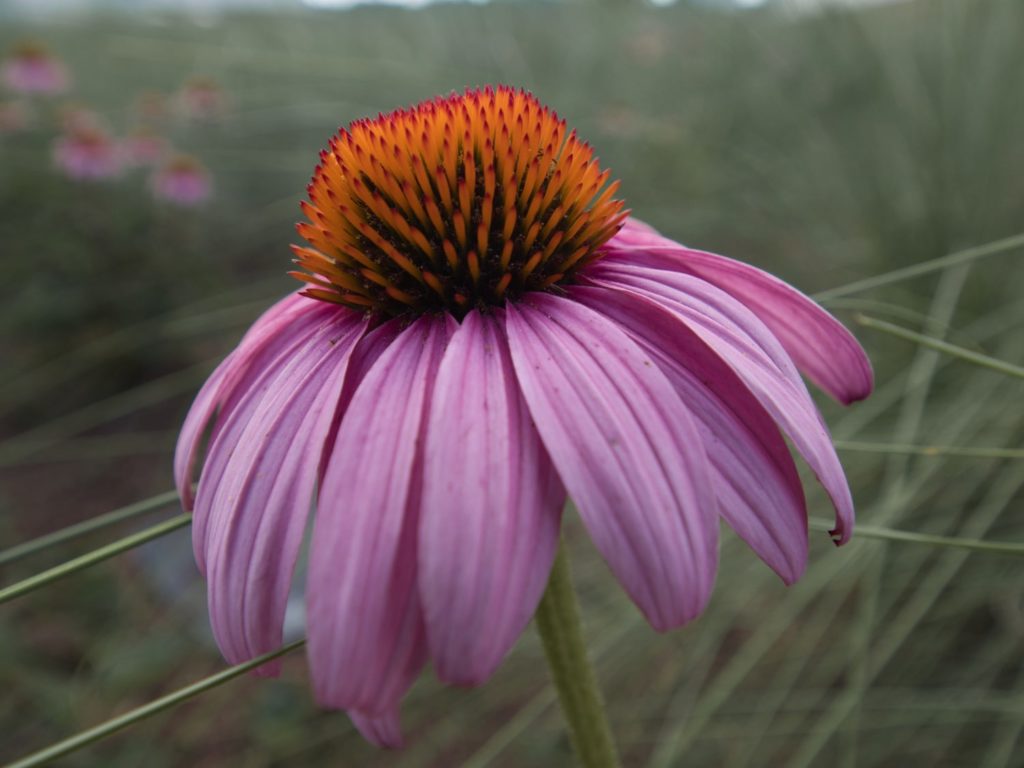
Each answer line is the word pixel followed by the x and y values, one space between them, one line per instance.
pixel 483 332
pixel 88 154
pixel 181 180
pixel 31 69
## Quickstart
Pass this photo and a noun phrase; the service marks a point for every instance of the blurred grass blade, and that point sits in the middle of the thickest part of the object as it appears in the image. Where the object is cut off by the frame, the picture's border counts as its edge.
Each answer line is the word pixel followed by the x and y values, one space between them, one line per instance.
pixel 890 534
pixel 965 451
pixel 934 265
pixel 942 346
pixel 85 738
pixel 91 558
pixel 87 526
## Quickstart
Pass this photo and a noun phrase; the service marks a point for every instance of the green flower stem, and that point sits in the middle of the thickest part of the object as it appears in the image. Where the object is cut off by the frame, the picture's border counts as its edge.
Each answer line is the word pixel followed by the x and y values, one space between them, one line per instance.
pixel 87 526
pixel 561 632
pixel 85 738
pixel 91 558
pixel 891 534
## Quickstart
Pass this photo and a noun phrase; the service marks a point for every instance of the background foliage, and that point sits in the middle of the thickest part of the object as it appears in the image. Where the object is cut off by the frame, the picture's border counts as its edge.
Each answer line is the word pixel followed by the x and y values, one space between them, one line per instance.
pixel 825 147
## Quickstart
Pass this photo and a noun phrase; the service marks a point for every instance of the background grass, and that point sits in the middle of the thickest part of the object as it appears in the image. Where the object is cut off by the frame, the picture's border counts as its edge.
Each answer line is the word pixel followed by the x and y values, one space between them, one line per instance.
pixel 826 148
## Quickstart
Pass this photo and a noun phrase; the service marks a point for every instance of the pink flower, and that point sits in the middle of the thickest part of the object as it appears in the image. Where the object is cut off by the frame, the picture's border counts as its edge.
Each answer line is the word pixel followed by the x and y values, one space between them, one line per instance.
pixel 485 333
pixel 31 69
pixel 143 148
pixel 182 180
pixel 88 154
pixel 202 98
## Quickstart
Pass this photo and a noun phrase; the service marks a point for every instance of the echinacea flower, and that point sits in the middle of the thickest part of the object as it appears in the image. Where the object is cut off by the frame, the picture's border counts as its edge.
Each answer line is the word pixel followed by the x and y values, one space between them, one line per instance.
pixel 182 180
pixel 31 69
pixel 88 154
pixel 484 332
pixel 143 147
pixel 202 99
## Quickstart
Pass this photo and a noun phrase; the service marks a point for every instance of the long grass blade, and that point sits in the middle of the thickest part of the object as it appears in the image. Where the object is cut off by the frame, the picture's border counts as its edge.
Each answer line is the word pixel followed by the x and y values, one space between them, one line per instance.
pixel 934 265
pixel 91 558
pixel 891 534
pixel 87 526
pixel 945 347
pixel 85 738
pixel 963 451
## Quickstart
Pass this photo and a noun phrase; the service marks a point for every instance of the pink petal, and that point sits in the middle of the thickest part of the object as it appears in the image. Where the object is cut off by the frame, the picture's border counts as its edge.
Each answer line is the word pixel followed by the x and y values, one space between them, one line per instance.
pixel 242 402
pixel 758 489
pixel 223 383
pixel 384 731
pixel 742 340
pixel 819 344
pixel 366 634
pixel 259 510
pixel 627 450
pixel 491 507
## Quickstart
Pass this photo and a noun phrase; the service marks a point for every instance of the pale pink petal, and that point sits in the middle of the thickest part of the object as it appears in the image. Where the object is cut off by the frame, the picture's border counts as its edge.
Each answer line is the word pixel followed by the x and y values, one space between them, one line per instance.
pixel 491 507
pixel 385 730
pixel 758 489
pixel 226 381
pixel 750 349
pixel 366 634
pixel 241 403
pixel 626 448
pixel 258 513
pixel 819 344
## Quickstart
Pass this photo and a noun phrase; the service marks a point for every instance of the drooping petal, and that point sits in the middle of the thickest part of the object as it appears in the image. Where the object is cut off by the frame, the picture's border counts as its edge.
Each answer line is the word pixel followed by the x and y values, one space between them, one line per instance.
pixel 241 403
pixel 227 380
pixel 819 344
pixel 366 634
pixel 383 730
pixel 758 489
pixel 258 514
pixel 750 349
pixel 627 450
pixel 491 507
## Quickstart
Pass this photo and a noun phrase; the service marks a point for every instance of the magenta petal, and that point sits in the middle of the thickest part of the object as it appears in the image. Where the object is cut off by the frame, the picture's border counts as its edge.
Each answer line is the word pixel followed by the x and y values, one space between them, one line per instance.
pixel 366 635
pixel 758 489
pixel 491 507
pixel 743 341
pixel 819 344
pixel 626 448
pixel 384 731
pixel 242 402
pixel 259 511
pixel 226 381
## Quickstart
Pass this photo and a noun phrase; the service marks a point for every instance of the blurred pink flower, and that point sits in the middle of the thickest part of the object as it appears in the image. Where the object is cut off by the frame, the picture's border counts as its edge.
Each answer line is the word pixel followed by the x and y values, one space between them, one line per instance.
pixel 477 341
pixel 150 108
pixel 75 116
pixel 202 98
pixel 31 69
pixel 182 180
pixel 142 147
pixel 88 154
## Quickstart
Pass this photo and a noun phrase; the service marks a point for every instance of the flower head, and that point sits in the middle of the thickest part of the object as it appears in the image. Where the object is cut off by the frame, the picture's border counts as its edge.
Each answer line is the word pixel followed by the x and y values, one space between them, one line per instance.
pixel 144 147
pixel 202 99
pixel 31 69
pixel 482 334
pixel 88 154
pixel 182 180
